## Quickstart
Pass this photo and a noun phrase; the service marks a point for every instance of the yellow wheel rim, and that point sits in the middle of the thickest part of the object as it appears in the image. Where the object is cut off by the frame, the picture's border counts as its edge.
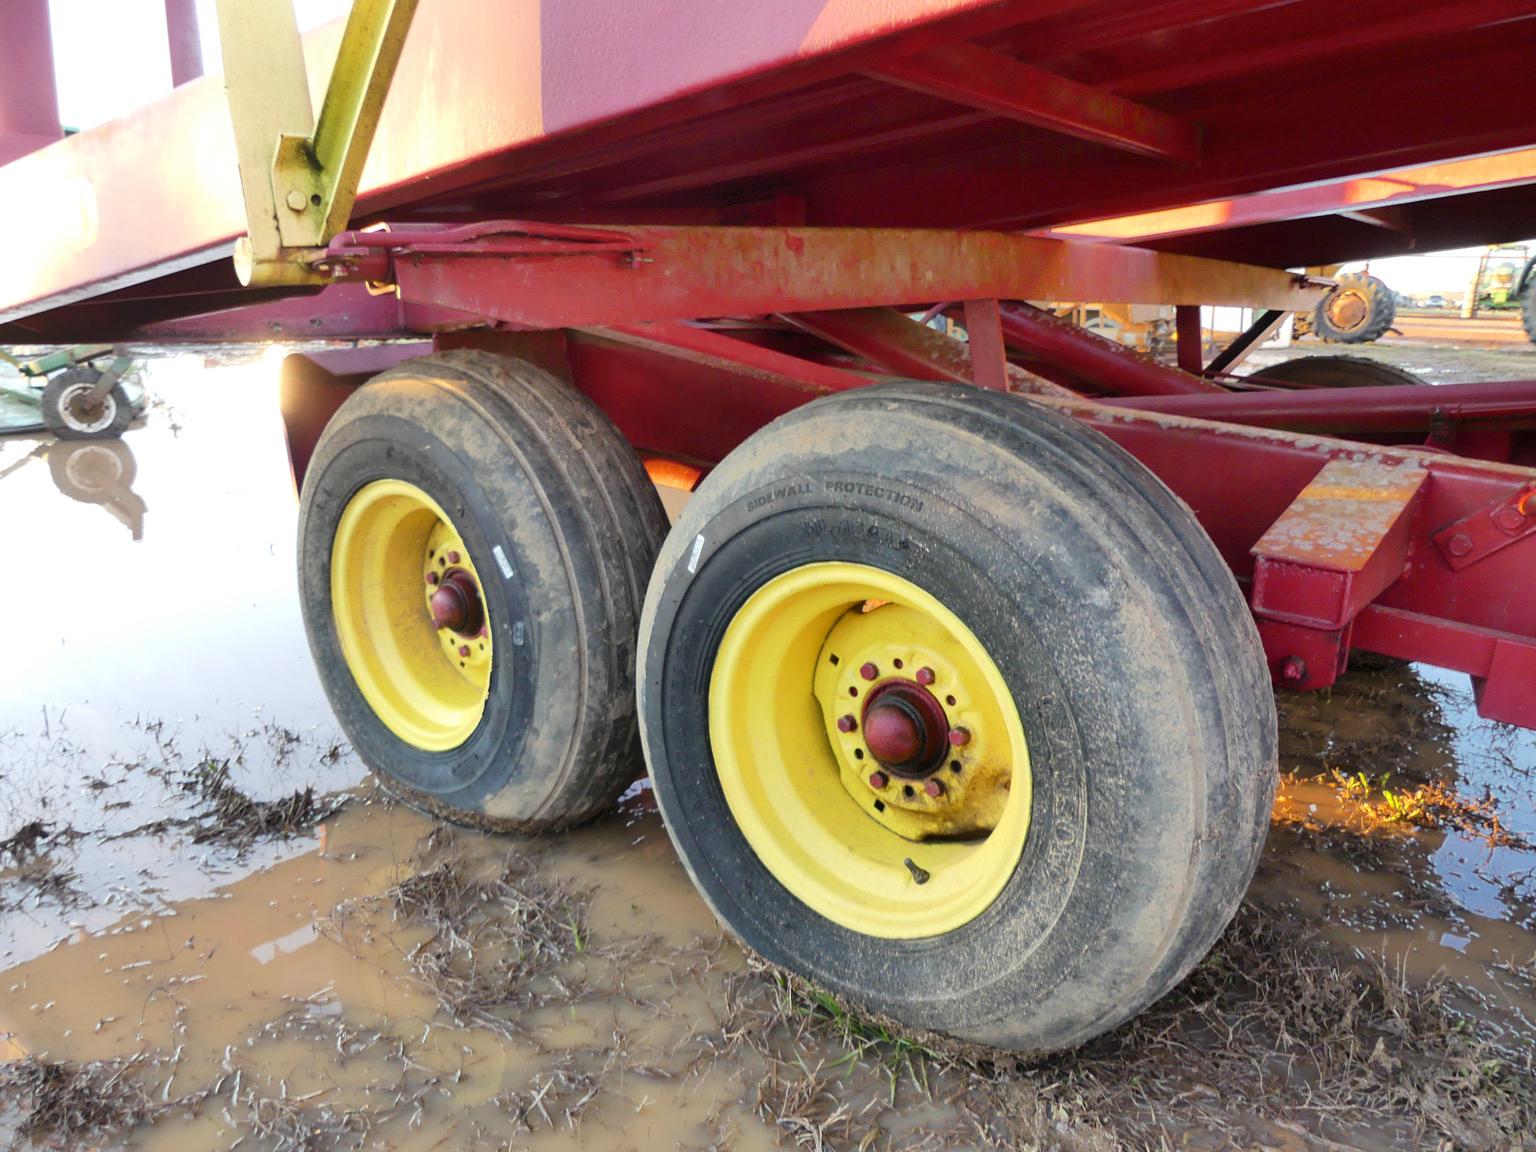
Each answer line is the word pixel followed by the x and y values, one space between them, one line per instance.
pixel 410 615
pixel 825 669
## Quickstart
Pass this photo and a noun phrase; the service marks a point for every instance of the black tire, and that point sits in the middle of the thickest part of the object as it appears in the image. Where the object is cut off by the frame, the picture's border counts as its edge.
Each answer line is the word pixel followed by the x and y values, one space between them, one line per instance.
pixel 1123 638
pixel 1357 310
pixel 1528 306
pixel 64 416
pixel 525 464
pixel 1337 372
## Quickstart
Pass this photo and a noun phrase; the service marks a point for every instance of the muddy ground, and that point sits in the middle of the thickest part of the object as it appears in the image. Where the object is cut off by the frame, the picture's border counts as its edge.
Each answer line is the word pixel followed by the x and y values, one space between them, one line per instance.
pixel 217 933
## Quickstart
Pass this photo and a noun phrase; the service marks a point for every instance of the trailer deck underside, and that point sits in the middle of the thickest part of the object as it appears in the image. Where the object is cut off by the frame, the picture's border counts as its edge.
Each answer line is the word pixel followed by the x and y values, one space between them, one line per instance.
pixel 902 113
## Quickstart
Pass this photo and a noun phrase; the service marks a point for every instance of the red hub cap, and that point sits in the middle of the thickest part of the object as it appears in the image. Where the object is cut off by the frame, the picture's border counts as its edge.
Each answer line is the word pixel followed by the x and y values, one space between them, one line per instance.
pixel 456 604
pixel 905 728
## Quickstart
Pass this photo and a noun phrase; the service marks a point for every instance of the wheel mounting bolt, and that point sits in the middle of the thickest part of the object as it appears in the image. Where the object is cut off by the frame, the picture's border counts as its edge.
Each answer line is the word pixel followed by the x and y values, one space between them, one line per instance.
pixel 431 577
pixel 846 723
pixel 463 649
pixel 878 779
pixel 934 788
pixel 925 676
pixel 454 557
pixel 869 671
pixel 959 737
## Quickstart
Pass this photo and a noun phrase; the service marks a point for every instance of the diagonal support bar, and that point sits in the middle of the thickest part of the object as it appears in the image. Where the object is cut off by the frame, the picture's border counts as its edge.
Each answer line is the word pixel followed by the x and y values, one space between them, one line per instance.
pixel 299 175
pixel 1003 86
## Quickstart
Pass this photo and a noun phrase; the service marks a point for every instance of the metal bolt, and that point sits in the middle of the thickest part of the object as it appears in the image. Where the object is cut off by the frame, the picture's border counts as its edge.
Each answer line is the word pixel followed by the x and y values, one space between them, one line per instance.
pixel 846 723
pixel 454 557
pixel 1459 544
pixel 869 671
pixel 934 787
pixel 431 577
pixel 1293 670
pixel 925 676
pixel 1510 519
pixel 878 779
pixel 959 737
pixel 297 200
pixel 463 649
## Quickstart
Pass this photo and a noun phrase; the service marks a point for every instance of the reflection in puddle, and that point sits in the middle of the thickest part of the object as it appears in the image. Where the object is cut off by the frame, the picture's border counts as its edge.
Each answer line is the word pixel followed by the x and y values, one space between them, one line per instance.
pixel 379 982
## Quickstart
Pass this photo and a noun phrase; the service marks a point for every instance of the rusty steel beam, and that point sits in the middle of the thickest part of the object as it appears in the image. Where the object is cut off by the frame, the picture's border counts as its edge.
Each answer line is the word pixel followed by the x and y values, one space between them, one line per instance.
pixel 995 83
pixel 545 276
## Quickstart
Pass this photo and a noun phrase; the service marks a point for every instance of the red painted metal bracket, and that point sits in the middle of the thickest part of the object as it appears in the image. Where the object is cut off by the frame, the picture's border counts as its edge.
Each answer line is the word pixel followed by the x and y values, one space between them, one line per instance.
pixel 1342 542
pixel 989 355
pixel 1003 86
pixel 1490 529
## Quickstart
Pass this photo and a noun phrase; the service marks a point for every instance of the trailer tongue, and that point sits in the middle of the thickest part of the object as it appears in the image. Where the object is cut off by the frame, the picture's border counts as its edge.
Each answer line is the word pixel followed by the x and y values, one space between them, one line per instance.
pixel 954 679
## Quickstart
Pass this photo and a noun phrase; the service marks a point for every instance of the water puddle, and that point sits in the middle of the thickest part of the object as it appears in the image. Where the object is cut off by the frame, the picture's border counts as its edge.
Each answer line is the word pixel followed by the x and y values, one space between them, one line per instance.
pixel 215 932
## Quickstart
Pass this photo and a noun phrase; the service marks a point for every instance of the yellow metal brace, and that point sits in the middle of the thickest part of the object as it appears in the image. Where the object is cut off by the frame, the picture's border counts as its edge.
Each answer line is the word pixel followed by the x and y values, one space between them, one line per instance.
pixel 299 174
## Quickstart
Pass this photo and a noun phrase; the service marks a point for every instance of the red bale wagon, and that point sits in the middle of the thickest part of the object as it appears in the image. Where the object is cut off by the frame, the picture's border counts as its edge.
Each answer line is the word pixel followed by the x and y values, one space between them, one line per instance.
pixel 954 678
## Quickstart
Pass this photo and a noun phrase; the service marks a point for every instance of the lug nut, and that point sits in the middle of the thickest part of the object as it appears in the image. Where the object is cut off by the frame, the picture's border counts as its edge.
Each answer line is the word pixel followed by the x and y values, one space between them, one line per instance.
pixel 454 557
pixel 934 788
pixel 959 737
pixel 869 671
pixel 878 779
pixel 431 577
pixel 925 676
pixel 463 649
pixel 846 724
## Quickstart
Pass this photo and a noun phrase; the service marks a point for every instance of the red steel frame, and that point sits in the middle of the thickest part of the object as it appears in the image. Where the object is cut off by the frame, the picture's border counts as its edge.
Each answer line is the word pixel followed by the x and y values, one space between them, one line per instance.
pixel 752 199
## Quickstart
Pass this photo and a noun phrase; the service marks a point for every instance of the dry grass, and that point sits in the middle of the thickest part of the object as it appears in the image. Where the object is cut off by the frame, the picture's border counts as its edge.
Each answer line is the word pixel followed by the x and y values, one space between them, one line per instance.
pixel 232 817
pixel 74 1105
pixel 498 935
pixel 1271 1034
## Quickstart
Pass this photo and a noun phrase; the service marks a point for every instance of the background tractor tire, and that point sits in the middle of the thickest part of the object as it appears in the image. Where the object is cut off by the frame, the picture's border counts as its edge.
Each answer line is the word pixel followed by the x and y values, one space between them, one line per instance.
pixel 1528 307
pixel 560 525
pixel 1357 310
pixel 1337 372
pixel 1118 635
pixel 66 417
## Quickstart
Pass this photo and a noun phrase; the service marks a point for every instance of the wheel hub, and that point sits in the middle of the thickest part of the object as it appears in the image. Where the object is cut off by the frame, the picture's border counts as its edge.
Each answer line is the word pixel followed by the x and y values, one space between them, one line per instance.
pixel 905 728
pixel 455 604
pixel 1348 310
